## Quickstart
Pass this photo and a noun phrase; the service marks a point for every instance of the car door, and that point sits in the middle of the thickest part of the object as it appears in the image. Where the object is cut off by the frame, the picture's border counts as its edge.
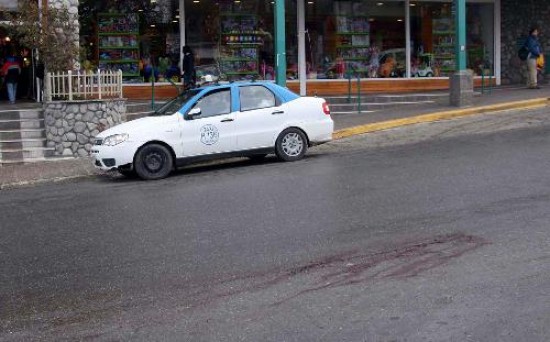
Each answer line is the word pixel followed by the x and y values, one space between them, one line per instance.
pixel 260 117
pixel 208 127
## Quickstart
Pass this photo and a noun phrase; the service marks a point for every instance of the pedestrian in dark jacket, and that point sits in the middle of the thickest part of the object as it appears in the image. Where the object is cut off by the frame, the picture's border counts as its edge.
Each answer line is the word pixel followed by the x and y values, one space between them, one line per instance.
pixel 535 51
pixel 11 71
pixel 188 68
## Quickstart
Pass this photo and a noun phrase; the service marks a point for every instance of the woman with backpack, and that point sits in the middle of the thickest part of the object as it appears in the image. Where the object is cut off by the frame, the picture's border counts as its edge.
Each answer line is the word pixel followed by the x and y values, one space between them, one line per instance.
pixel 533 46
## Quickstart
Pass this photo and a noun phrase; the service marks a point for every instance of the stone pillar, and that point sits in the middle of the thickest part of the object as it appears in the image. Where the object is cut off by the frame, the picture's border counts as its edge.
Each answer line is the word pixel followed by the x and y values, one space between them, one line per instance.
pixel 462 88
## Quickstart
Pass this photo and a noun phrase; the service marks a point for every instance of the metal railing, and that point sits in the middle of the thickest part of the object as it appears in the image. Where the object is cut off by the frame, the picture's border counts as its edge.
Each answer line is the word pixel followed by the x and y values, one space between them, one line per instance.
pixel 82 85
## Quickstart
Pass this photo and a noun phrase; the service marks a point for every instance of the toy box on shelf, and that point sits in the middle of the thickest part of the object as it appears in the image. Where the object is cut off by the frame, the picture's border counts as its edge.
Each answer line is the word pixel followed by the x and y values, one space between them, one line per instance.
pixel 443 46
pixel 118 38
pixel 353 36
pixel 240 41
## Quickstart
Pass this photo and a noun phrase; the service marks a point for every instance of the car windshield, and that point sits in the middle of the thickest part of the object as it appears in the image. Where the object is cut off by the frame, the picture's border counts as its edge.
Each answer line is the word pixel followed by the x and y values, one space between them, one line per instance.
pixel 176 103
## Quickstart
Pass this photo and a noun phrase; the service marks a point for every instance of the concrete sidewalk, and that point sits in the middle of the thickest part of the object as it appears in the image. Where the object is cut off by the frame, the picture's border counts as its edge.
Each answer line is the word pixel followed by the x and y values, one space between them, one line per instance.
pixel 499 99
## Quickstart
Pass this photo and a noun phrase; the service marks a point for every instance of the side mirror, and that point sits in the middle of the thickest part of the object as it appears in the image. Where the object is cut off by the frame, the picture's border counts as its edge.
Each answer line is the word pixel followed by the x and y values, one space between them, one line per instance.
pixel 193 112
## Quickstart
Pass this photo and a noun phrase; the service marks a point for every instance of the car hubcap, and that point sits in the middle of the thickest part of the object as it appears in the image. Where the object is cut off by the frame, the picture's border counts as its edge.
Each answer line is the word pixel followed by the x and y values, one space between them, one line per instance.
pixel 292 144
pixel 154 162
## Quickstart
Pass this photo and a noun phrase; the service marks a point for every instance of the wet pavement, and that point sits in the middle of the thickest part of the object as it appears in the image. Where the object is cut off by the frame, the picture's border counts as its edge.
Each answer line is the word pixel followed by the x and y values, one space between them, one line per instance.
pixel 61 168
pixel 435 232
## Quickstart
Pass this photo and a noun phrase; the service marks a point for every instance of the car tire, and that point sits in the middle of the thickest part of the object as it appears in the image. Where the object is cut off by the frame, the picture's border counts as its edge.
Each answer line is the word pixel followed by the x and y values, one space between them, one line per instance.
pixel 429 74
pixel 291 145
pixel 128 173
pixel 153 161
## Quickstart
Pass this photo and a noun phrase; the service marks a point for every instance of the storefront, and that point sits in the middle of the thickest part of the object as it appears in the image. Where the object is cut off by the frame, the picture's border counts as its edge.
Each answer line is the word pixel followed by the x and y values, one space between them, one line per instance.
pixel 389 45
pixel 11 48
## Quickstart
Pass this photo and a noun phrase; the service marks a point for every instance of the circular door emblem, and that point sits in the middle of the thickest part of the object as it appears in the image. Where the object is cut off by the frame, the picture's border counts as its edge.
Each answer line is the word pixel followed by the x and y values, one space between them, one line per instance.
pixel 209 135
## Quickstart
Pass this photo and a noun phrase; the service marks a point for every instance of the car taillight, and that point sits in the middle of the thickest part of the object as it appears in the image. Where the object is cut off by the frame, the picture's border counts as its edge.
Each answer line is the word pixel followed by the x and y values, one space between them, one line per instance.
pixel 326 109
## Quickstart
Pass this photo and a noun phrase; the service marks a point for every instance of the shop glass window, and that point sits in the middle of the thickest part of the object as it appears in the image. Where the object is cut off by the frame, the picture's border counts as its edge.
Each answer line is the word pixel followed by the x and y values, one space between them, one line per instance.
pixel 235 39
pixel 350 38
pixel 256 97
pixel 433 38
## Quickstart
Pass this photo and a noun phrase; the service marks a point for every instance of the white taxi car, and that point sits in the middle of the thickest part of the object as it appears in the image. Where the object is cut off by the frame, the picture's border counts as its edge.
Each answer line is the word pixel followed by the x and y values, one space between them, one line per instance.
pixel 239 119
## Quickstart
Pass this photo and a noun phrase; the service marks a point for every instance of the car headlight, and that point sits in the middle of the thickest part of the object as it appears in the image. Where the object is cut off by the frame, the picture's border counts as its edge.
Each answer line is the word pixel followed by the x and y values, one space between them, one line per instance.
pixel 115 139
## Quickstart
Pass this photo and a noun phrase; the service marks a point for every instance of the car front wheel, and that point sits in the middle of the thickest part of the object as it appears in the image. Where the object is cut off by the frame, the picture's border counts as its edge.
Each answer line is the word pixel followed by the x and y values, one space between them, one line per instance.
pixel 291 145
pixel 153 161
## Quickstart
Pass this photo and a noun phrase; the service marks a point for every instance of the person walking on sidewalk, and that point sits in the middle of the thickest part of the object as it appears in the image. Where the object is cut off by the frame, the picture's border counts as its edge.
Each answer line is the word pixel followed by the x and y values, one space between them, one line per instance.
pixel 188 68
pixel 11 71
pixel 533 45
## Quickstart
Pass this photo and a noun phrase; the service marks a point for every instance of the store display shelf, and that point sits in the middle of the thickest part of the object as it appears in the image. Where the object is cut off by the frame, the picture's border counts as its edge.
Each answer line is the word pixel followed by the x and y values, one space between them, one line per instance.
pixel 232 73
pixel 243 44
pixel 237 59
pixel 356 58
pixel 118 33
pixel 243 33
pixel 444 32
pixel 118 61
pixel 119 47
pixel 353 33
pixel 352 46
pixel 234 14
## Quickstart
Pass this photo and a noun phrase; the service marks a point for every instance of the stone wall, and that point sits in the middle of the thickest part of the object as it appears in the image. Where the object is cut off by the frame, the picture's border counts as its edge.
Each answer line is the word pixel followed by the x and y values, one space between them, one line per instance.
pixel 72 125
pixel 518 16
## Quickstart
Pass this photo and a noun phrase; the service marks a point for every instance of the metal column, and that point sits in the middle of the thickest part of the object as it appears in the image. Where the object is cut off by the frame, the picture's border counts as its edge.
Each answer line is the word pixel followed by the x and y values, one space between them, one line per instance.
pixel 408 51
pixel 182 29
pixel 460 31
pixel 280 43
pixel 302 64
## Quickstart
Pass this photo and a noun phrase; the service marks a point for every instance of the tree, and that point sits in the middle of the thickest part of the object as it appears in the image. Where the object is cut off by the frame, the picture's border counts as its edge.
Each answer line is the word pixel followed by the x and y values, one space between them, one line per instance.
pixel 51 31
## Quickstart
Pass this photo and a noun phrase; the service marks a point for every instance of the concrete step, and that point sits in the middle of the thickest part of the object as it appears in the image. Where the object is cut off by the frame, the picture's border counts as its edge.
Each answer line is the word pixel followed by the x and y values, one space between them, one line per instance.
pixel 133 116
pixel 135 107
pixel 21 124
pixel 23 155
pixel 385 98
pixel 18 144
pixel 21 134
pixel 354 107
pixel 21 114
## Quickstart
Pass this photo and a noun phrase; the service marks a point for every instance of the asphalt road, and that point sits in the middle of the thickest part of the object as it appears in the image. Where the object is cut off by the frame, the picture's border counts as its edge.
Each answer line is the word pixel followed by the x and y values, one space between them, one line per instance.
pixel 436 232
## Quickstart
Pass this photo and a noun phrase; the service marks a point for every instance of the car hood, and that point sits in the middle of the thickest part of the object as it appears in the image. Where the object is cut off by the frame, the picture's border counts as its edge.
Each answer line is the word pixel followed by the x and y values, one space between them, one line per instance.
pixel 146 124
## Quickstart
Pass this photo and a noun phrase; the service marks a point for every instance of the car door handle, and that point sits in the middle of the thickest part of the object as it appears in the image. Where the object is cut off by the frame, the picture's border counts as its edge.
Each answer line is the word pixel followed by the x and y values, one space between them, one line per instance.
pixel 227 120
pixel 278 112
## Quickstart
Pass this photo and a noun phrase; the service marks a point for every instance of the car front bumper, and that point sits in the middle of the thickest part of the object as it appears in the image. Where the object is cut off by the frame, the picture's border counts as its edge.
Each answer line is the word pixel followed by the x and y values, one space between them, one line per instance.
pixel 112 157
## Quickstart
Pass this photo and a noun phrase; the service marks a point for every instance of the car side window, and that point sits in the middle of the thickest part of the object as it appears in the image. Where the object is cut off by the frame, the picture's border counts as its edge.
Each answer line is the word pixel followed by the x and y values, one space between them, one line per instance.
pixel 214 103
pixel 256 97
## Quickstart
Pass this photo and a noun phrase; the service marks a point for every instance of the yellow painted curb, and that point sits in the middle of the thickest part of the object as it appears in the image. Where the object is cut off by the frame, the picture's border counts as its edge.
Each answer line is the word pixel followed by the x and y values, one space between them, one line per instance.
pixel 438 116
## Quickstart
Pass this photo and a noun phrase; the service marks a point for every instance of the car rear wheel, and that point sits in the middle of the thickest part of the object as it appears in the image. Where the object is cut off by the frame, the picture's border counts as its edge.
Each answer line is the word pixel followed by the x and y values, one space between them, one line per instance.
pixel 153 161
pixel 291 145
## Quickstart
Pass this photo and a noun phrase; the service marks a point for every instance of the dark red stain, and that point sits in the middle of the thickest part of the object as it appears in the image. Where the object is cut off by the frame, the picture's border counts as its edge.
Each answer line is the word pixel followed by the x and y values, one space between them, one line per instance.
pixel 403 261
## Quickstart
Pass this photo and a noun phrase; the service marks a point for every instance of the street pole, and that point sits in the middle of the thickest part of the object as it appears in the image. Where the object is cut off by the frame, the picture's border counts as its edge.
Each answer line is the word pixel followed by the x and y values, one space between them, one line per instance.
pixel 460 29
pixel 280 43
pixel 182 31
pixel 302 64
pixel 462 80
